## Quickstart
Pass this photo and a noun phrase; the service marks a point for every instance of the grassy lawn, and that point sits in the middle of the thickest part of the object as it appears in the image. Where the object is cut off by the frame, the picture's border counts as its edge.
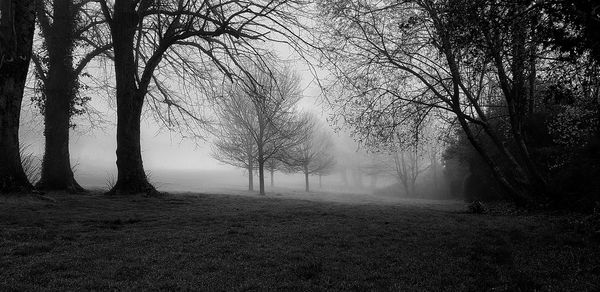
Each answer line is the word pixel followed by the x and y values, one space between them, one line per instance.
pixel 232 243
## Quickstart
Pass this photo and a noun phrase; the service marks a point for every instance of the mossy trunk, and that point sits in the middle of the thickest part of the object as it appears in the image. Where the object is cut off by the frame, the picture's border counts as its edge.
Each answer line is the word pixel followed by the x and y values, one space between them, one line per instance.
pixel 59 89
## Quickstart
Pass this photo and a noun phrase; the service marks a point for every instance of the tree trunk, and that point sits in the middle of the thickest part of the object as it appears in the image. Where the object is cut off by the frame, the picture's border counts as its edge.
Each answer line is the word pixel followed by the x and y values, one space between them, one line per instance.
pixel 59 90
pixel 17 24
pixel 261 171
pixel 406 188
pixel 261 178
pixel 320 182
pixel 413 187
pixel 307 189
pixel 250 177
pixel 272 175
pixel 131 177
pixel 506 180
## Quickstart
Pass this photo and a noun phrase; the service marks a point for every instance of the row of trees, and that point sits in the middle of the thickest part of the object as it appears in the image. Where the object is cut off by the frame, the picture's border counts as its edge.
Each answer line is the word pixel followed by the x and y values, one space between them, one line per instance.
pixel 148 43
pixel 478 66
pixel 260 128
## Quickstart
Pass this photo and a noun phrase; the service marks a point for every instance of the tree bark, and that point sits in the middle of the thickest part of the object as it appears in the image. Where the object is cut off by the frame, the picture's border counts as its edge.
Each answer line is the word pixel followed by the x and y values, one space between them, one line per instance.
pixel 59 89
pixel 131 177
pixel 17 24
pixel 261 171
pixel 250 177
pixel 307 188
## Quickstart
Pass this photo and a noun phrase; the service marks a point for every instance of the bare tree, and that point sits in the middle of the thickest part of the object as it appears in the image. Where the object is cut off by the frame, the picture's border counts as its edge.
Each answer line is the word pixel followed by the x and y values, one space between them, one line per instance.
pixel 273 164
pixel 63 23
pixel 263 106
pixel 408 165
pixel 314 154
pixel 402 62
pixel 144 33
pixel 234 144
pixel 377 166
pixel 17 24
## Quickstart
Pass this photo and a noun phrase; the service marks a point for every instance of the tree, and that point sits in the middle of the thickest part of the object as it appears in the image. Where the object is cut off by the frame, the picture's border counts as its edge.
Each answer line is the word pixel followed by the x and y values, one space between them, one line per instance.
pixel 63 23
pixel 234 144
pixel 262 104
pixel 408 166
pixel 313 155
pixel 17 23
pixel 144 33
pixel 459 60
pixel 573 26
pixel 272 164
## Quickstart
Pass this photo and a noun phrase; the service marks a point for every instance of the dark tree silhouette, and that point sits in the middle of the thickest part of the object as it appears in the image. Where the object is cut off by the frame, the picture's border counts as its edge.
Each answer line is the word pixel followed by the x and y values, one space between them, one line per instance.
pixel 62 24
pixel 17 24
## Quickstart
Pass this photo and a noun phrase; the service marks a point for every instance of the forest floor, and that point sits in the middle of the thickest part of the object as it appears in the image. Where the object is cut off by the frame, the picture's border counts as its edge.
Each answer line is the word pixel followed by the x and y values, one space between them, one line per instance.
pixel 279 242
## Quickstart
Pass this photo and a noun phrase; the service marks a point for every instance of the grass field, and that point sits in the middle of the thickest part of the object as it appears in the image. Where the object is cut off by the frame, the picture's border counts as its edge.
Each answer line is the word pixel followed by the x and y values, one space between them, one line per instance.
pixel 240 243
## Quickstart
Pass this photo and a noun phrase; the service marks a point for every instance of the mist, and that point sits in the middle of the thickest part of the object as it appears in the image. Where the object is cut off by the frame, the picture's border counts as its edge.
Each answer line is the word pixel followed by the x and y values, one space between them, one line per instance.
pixel 299 145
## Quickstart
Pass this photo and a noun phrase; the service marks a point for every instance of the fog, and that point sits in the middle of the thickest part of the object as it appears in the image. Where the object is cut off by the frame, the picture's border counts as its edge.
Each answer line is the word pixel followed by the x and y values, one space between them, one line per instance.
pixel 179 165
pixel 175 163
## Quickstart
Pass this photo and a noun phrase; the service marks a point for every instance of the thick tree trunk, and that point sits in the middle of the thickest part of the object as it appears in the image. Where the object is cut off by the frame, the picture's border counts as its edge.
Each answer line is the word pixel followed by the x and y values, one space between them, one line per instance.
pixel 131 177
pixel 272 176
pixel 59 89
pixel 17 24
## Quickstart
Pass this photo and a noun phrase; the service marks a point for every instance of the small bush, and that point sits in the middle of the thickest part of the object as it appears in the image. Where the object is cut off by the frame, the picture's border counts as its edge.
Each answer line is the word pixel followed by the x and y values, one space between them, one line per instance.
pixel 476 207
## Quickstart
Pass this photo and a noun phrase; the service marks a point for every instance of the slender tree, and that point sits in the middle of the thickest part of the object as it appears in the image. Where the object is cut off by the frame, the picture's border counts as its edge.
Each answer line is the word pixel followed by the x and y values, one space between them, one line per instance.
pixel 313 155
pixel 233 144
pixel 408 166
pixel 270 95
pixel 273 164
pixel 17 24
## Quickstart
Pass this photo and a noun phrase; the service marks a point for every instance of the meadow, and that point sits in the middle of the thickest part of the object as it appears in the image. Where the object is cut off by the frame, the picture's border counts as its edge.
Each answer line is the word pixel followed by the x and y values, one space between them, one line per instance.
pixel 285 241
